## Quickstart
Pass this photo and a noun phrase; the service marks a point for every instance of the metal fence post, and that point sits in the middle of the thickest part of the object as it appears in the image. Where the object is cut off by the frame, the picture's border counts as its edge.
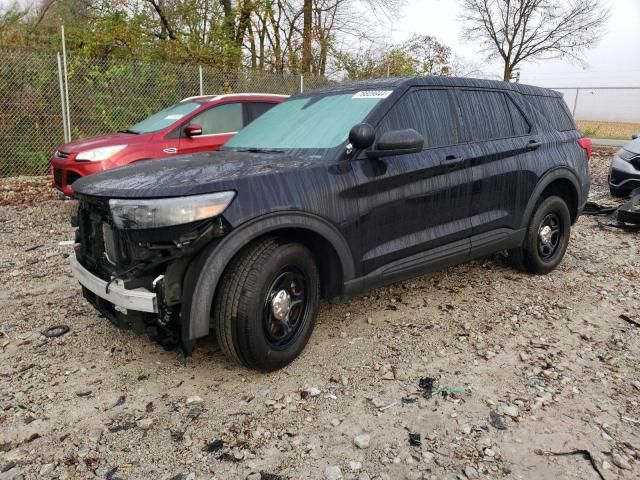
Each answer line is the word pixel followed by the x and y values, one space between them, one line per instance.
pixel 301 83
pixel 66 84
pixel 62 104
pixel 575 102
pixel 201 86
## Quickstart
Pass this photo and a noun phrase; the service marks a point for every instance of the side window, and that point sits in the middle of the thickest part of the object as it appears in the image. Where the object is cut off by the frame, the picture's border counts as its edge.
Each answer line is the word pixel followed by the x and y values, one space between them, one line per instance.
pixel 520 124
pixel 255 109
pixel 554 112
pixel 429 112
pixel 224 118
pixel 486 114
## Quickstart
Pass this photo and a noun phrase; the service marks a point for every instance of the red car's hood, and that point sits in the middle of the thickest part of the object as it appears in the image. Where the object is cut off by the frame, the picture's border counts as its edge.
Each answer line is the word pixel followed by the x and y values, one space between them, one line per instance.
pixel 105 141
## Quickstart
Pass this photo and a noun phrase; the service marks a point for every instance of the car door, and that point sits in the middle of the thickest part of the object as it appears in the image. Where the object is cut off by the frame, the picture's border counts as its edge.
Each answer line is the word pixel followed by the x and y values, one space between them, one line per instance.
pixel 253 110
pixel 219 123
pixel 499 142
pixel 415 207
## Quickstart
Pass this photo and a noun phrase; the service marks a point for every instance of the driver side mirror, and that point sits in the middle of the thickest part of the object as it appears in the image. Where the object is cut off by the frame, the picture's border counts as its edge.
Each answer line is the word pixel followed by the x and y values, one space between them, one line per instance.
pixel 397 142
pixel 362 136
pixel 193 130
pixel 635 136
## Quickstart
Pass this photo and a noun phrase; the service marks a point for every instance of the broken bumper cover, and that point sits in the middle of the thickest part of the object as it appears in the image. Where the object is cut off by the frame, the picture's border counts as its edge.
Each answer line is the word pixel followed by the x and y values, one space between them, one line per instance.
pixel 139 299
pixel 623 174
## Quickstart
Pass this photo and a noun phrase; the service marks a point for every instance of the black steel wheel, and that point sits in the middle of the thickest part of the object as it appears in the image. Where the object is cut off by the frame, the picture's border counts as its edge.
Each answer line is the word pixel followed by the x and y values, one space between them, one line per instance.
pixel 265 308
pixel 549 235
pixel 285 306
pixel 546 238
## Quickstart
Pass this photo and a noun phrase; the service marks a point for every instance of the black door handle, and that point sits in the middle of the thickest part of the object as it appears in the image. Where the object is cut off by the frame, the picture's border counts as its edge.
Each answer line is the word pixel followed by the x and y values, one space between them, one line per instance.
pixel 533 144
pixel 452 161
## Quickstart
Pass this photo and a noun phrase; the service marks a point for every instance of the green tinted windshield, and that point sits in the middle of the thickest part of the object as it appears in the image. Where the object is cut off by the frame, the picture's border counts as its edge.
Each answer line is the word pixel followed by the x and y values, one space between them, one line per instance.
pixel 316 122
pixel 165 117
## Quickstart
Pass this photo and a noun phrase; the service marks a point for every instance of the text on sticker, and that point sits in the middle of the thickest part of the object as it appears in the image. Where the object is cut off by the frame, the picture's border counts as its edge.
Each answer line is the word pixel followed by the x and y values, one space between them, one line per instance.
pixel 373 94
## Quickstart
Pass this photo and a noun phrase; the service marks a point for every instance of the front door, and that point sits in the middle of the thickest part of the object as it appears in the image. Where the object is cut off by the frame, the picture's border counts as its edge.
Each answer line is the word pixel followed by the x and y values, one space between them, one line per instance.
pixel 219 124
pixel 415 208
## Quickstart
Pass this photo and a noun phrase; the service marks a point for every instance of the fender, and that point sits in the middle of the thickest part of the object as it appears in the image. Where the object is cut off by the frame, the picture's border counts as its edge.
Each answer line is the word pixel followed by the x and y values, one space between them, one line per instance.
pixel 204 272
pixel 544 182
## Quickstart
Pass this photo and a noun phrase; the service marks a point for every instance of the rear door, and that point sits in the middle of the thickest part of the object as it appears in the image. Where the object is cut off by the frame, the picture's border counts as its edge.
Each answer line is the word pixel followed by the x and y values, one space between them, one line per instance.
pixel 414 203
pixel 219 123
pixel 498 135
pixel 253 110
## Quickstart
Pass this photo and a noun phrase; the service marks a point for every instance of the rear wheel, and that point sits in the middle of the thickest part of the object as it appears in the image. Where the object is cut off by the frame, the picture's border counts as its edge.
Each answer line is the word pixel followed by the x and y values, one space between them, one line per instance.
pixel 265 307
pixel 546 238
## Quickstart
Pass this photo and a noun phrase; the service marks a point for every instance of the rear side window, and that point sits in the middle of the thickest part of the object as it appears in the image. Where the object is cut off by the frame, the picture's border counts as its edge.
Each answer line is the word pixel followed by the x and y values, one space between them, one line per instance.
pixel 255 109
pixel 554 112
pixel 491 115
pixel 520 124
pixel 429 112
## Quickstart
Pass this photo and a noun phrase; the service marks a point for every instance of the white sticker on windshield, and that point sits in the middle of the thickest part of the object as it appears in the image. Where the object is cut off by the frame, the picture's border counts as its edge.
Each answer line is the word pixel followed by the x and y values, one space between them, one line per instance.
pixel 373 94
pixel 174 116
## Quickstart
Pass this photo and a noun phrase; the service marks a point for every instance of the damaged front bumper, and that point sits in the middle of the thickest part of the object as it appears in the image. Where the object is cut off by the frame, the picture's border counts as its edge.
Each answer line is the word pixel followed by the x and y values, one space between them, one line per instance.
pixel 137 299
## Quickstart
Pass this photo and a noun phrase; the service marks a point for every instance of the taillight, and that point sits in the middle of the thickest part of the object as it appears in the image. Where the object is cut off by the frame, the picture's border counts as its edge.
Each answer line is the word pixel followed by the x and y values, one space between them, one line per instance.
pixel 587 145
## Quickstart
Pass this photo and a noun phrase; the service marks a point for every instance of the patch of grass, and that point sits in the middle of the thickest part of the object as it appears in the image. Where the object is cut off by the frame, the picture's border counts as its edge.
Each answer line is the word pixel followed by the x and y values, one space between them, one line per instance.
pixel 614 130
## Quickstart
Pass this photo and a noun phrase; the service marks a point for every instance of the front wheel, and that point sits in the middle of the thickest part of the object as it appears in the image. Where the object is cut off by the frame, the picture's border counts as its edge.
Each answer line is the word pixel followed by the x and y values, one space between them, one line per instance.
pixel 546 238
pixel 265 308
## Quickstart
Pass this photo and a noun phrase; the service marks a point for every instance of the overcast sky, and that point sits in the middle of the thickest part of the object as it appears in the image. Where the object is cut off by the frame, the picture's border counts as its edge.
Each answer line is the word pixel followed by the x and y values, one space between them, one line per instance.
pixel 614 62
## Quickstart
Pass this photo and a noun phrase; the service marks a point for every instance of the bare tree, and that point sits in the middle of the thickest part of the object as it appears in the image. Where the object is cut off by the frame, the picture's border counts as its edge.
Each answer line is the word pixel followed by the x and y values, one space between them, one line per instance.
pixel 519 30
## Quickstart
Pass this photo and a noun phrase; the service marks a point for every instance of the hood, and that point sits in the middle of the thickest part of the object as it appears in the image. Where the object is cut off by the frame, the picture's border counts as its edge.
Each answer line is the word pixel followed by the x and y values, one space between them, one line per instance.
pixel 633 146
pixel 186 175
pixel 104 141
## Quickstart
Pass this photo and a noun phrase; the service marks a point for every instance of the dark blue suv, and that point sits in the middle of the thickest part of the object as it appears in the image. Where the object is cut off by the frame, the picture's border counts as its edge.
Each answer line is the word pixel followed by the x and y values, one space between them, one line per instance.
pixel 326 195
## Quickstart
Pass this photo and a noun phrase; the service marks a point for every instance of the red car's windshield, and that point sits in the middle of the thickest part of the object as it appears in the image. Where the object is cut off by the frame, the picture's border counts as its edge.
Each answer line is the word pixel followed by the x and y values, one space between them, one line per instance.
pixel 164 118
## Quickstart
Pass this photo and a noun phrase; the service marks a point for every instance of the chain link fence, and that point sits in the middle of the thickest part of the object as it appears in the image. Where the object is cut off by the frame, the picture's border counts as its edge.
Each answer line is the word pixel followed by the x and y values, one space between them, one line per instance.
pixel 104 96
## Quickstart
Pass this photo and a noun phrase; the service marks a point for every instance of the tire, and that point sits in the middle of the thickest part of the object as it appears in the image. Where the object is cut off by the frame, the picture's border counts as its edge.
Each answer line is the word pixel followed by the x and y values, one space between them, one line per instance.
pixel 619 192
pixel 541 254
pixel 248 313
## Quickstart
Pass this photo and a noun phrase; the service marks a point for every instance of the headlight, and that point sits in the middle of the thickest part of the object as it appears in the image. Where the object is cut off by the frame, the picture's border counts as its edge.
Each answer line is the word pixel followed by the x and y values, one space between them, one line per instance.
pixel 99 154
pixel 164 212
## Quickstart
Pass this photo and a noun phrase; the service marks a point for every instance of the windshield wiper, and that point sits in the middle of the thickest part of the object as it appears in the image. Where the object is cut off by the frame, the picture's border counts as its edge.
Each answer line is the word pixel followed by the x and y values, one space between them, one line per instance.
pixel 260 150
pixel 128 130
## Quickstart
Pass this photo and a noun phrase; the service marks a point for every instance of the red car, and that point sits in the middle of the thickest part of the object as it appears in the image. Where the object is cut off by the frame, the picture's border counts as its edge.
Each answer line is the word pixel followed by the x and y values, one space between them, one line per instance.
pixel 196 124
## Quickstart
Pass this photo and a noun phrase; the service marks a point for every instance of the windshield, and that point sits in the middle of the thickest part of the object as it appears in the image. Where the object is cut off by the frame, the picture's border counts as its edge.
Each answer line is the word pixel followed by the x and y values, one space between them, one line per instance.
pixel 164 118
pixel 316 123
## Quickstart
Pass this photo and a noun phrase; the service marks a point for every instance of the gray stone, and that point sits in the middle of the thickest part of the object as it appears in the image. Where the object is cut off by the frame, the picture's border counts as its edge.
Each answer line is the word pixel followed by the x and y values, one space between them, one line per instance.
pixel 400 374
pixel 332 472
pixel 470 472
pixel 362 441
pixel 47 469
pixel 95 434
pixel 510 410
pixel 144 423
pixel 13 474
pixel 194 400
pixel 620 462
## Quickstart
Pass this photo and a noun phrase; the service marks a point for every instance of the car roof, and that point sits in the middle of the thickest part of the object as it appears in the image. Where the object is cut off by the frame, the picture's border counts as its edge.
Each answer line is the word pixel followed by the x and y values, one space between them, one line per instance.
pixel 213 98
pixel 430 81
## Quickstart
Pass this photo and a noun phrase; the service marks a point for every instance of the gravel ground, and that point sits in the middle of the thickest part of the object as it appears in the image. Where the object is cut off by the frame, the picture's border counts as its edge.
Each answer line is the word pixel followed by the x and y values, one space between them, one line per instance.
pixel 522 367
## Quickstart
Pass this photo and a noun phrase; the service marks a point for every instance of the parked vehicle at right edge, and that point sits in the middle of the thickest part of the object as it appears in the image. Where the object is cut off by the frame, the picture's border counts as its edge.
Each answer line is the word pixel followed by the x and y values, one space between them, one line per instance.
pixel 329 194
pixel 624 172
